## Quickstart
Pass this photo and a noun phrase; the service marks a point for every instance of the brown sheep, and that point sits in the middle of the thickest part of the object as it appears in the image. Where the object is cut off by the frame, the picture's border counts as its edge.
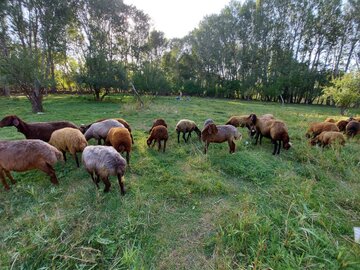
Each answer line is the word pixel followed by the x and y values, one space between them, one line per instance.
pixel 341 124
pixel 219 134
pixel 25 155
pixel 120 139
pixel 353 128
pixel 239 121
pixel 328 137
pixel 318 127
pixel 357 119
pixel 158 134
pixel 330 120
pixel 158 122
pixel 186 126
pixel 37 130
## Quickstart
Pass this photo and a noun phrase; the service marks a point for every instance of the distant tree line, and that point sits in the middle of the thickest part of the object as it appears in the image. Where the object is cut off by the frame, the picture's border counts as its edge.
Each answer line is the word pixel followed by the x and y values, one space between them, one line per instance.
pixel 270 50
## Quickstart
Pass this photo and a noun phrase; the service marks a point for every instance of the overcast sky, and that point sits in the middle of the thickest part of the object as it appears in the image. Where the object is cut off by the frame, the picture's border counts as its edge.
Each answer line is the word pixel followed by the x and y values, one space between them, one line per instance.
pixel 176 18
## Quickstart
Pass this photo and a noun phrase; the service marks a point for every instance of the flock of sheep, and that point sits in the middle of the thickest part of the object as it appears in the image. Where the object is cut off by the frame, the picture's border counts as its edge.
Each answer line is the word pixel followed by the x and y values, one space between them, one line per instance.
pixel 47 142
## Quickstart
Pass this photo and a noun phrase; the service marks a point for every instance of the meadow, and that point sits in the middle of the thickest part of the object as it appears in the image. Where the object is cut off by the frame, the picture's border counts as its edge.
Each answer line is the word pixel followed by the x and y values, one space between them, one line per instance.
pixel 184 209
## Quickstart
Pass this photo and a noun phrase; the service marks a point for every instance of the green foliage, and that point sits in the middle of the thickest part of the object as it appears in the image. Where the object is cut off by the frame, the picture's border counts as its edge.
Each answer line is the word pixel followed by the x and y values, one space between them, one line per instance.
pixel 184 209
pixel 345 91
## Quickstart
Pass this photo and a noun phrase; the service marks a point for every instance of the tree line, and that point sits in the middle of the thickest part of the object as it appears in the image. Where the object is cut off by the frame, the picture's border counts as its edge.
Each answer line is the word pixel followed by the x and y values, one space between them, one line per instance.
pixel 270 50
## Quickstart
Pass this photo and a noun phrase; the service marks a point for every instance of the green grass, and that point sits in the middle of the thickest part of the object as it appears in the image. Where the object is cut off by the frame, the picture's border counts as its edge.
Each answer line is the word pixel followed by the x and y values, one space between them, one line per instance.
pixel 184 209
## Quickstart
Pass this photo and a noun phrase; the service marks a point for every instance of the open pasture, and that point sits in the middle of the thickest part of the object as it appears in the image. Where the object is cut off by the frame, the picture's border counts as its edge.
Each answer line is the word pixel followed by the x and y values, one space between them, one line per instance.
pixel 184 209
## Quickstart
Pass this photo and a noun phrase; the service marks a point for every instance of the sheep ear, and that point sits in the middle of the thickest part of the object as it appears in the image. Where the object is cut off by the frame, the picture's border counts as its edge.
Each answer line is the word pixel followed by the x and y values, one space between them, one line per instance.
pixel 15 122
pixel 252 118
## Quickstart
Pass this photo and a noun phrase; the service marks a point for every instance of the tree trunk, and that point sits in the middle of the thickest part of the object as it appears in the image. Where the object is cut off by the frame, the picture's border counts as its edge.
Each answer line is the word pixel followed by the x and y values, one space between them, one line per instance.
pixel 36 101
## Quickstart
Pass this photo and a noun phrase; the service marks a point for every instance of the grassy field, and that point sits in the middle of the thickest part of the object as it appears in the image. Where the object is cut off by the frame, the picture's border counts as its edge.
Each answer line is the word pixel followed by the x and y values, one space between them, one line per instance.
pixel 184 209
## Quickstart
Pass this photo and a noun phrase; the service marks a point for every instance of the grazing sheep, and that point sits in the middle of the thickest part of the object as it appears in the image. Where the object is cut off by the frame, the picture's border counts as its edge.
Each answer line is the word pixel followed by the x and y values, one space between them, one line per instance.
pixel 274 129
pixel 24 155
pixel 353 128
pixel 208 121
pixel 263 118
pixel 316 128
pixel 37 130
pixel 158 134
pixel 330 120
pixel 187 126
pixel 341 124
pixel 120 139
pixel 239 121
pixel 103 161
pixel 158 122
pixel 100 130
pixel 68 139
pixel 218 134
pixel 84 128
pixel 328 137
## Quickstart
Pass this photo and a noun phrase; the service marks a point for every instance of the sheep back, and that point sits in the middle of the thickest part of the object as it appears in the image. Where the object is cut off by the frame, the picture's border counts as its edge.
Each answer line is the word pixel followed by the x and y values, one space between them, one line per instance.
pixel 329 137
pixel 119 138
pixel 159 133
pixel 220 133
pixel 158 122
pixel 330 120
pixel 100 130
pixel 185 125
pixel 68 139
pixel 316 128
pixel 353 128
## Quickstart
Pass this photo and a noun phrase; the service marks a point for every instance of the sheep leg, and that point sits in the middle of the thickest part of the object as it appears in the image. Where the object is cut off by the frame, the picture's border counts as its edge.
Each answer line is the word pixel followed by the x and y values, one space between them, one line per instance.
pixel 77 160
pixel 159 144
pixel 257 137
pixel 178 133
pixel 107 184
pixel 231 146
pixel 95 181
pixel 278 151
pixel 121 184
pixel 164 145
pixel 128 158
pixel 8 174
pixel 64 155
pixel 261 136
pixel 184 137
pixel 3 180
pixel 99 141
pixel 49 170
pixel 189 136
pixel 132 139
pixel 206 147
pixel 275 147
pixel 153 143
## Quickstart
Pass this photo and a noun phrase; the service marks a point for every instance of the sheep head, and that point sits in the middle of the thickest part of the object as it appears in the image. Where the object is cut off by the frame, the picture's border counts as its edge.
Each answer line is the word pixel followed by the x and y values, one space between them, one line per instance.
pixel 208 131
pixel 198 132
pixel 10 120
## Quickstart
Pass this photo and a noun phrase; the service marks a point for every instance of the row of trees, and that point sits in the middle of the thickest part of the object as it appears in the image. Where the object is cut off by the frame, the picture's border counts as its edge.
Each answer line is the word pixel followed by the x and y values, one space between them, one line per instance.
pixel 259 49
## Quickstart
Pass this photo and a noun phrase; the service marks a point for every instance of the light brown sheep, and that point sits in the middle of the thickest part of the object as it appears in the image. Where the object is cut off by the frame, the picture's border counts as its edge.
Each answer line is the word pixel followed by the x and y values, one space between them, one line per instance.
pixel 328 137
pixel 158 122
pixel 25 155
pixel 120 139
pixel 186 126
pixel 69 140
pixel 158 134
pixel 330 120
pixel 353 128
pixel 239 121
pixel 316 128
pixel 219 134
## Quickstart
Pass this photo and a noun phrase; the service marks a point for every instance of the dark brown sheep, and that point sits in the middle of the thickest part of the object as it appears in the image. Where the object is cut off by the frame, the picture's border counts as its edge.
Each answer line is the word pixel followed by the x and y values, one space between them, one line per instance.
pixel 316 128
pixel 37 130
pixel 353 128
pixel 158 134
pixel 341 124
pixel 219 134
pixel 158 122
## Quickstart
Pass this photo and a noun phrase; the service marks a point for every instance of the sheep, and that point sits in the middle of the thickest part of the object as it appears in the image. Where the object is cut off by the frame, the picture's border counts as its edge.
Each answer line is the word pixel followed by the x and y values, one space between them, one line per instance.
pixel 68 139
pixel 158 134
pixel 218 134
pixel 24 155
pixel 100 130
pixel 354 119
pixel 208 121
pixel 103 161
pixel 353 128
pixel 84 128
pixel 37 130
pixel 187 126
pixel 341 124
pixel 263 118
pixel 330 120
pixel 158 122
pixel 120 139
pixel 274 129
pixel 318 127
pixel 328 137
pixel 239 121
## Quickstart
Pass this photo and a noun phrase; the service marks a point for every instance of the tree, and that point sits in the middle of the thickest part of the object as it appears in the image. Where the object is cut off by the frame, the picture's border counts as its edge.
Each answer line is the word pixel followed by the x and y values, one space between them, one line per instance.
pixel 345 91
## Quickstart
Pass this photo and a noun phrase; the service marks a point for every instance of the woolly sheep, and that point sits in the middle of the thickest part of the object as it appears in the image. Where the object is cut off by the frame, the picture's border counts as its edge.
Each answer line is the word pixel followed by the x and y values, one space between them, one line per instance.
pixel 68 139
pixel 218 134
pixel 328 137
pixel 24 155
pixel 100 130
pixel 158 134
pixel 158 122
pixel 120 139
pixel 103 161
pixel 186 126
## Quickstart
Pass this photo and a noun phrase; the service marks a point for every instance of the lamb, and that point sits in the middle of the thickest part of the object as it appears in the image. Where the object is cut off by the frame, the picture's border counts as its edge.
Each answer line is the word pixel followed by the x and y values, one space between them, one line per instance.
pixel 353 128
pixel 318 127
pixel 68 139
pixel 37 130
pixel 24 155
pixel 158 134
pixel 158 122
pixel 218 134
pixel 341 124
pixel 103 161
pixel 330 120
pixel 328 137
pixel 84 128
pixel 120 139
pixel 100 130
pixel 187 126
pixel 274 129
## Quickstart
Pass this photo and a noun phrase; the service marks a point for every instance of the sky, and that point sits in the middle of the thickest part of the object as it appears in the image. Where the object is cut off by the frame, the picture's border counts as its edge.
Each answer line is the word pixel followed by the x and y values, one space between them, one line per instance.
pixel 176 18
